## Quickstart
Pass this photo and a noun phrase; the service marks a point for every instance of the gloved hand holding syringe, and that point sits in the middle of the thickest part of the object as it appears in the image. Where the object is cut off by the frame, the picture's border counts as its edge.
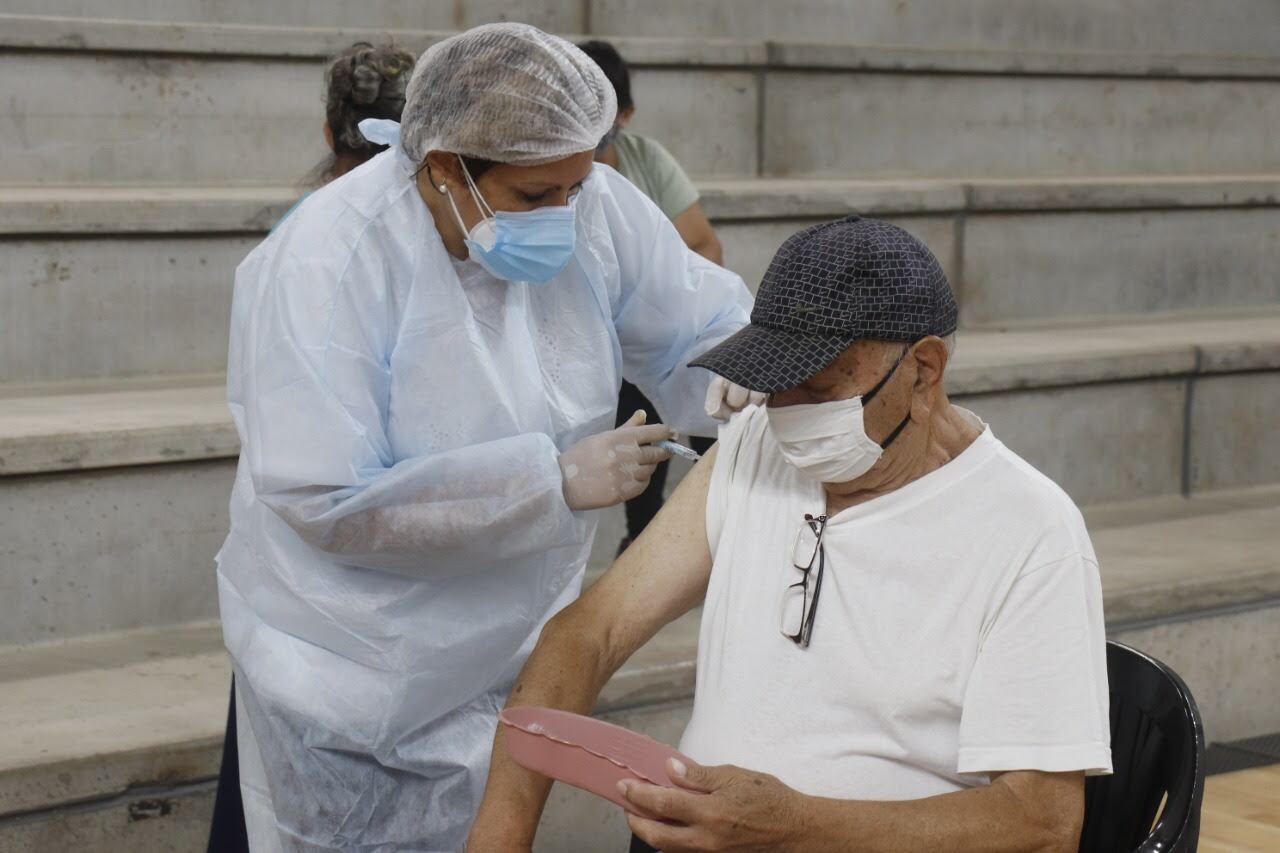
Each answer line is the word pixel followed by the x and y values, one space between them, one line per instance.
pixel 614 466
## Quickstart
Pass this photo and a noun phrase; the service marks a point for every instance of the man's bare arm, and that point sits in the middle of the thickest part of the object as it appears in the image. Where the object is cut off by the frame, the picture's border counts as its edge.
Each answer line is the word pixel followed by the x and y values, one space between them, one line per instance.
pixel 659 578
pixel 1018 812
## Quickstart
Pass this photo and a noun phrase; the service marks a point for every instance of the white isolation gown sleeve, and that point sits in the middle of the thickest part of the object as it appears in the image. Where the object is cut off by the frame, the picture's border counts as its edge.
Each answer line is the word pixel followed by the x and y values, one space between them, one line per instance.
pixel 673 306
pixel 309 385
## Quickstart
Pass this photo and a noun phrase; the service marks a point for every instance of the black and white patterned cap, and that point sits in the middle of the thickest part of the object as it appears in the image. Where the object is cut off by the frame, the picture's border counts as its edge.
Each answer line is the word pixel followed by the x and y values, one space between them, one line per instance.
pixel 828 286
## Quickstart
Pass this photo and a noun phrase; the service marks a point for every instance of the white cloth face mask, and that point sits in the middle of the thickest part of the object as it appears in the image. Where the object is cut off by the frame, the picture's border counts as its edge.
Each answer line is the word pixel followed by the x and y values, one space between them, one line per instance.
pixel 828 441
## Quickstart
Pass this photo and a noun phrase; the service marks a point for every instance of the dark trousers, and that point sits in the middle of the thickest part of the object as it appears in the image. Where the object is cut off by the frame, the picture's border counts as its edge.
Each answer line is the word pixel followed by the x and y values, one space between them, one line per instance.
pixel 642 508
pixel 227 833
pixel 638 846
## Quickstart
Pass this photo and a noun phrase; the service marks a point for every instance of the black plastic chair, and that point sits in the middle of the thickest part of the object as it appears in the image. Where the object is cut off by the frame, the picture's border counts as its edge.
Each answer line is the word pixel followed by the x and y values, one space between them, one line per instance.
pixel 1157 752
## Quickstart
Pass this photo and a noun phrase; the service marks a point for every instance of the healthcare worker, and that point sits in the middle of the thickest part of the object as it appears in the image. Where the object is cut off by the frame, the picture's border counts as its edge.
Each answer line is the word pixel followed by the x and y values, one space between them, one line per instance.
pixel 424 364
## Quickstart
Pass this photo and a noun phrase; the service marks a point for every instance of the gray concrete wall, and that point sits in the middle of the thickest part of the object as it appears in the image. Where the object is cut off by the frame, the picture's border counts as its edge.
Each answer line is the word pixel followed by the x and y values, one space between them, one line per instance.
pixel 99 308
pixel 1183 26
pixel 83 118
pixel 1178 26
pixel 1235 431
pixel 895 125
pixel 110 550
pixel 1097 263
pixel 709 119
pixel 553 15
pixel 1099 442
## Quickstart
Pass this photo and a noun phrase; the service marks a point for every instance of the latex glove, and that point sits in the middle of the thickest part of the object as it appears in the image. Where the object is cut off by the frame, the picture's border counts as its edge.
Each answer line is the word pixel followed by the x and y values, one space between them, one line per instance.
pixel 725 399
pixel 615 466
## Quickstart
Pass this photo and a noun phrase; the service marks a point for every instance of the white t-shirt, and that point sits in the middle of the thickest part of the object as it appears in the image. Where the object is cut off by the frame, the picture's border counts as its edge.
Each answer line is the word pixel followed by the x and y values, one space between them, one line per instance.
pixel 959 629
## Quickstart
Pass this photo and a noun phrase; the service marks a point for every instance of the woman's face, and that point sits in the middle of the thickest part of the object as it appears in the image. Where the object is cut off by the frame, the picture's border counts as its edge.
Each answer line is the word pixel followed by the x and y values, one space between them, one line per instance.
pixel 507 187
pixel 530 187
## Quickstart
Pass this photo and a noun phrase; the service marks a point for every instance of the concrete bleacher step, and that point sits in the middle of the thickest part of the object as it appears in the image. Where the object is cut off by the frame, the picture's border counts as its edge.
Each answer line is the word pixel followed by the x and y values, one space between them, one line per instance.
pixel 117 737
pixel 137 476
pixel 1252 26
pixel 558 15
pixel 151 102
pixel 136 280
pixel 116 740
pixel 1180 26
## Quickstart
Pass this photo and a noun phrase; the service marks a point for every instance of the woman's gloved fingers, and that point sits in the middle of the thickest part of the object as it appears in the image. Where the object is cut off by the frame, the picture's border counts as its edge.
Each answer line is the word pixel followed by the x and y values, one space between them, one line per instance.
pixel 714 406
pixel 638 482
pixel 725 398
pixel 736 396
pixel 643 435
pixel 651 454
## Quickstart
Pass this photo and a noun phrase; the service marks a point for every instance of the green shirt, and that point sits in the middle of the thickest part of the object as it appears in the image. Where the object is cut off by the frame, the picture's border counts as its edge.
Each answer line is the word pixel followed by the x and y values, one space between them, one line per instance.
pixel 651 167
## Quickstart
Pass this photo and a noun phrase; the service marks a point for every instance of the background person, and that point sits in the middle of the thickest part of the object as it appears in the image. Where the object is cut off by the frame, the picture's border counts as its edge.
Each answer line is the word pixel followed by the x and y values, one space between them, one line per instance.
pixel 648 165
pixel 423 373
pixel 363 82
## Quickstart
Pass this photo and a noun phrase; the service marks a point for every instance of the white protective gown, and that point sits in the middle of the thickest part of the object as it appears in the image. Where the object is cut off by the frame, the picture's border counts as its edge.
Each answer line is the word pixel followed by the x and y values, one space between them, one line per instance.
pixel 398 531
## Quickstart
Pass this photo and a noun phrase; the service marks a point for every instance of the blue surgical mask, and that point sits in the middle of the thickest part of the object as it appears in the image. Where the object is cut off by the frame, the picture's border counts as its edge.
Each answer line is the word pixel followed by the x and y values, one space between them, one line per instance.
pixel 532 245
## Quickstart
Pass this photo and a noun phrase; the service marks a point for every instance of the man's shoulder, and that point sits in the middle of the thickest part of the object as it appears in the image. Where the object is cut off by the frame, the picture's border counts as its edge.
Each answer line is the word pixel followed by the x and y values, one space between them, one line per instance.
pixel 1023 496
pixel 750 468
pixel 743 438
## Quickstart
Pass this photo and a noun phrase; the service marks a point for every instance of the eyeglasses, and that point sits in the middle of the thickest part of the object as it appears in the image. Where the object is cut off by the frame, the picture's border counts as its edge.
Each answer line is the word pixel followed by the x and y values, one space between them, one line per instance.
pixel 800 599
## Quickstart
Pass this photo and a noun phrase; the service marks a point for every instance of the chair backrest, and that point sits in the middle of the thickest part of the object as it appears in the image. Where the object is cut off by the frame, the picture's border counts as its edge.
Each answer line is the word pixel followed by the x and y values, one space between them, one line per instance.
pixel 1157 752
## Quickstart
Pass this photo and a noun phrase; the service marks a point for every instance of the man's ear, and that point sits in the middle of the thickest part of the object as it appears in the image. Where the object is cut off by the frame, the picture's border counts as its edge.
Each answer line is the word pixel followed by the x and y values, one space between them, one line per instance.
pixel 328 135
pixel 625 116
pixel 931 358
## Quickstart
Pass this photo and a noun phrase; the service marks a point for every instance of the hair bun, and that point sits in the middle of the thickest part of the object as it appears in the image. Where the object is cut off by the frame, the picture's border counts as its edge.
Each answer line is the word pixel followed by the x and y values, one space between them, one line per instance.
pixel 366 83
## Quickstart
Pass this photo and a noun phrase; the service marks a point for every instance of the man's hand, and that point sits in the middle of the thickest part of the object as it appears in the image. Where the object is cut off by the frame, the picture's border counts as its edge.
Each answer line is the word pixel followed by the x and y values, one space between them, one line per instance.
pixel 719 808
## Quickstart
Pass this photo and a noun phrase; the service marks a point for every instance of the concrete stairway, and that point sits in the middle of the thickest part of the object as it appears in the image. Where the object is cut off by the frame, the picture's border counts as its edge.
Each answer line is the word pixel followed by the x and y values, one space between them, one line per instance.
pixel 1111 221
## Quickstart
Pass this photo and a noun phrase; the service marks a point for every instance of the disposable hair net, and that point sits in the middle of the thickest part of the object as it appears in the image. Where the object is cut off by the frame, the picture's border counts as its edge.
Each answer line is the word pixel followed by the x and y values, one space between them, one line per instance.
pixel 508 93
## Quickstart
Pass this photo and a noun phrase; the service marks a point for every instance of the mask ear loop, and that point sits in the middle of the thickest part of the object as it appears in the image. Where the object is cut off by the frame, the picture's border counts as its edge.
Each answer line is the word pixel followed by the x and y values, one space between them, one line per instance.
pixel 906 420
pixel 485 211
pixel 475 191
pixel 866 398
pixel 456 214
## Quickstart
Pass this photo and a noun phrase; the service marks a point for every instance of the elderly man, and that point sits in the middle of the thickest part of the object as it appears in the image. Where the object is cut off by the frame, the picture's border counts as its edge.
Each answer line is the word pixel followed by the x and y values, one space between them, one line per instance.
pixel 902 640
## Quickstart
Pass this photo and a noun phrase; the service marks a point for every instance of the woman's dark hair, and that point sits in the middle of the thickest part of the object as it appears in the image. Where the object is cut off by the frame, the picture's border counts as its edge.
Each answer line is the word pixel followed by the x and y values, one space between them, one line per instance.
pixel 614 67
pixel 363 82
pixel 477 166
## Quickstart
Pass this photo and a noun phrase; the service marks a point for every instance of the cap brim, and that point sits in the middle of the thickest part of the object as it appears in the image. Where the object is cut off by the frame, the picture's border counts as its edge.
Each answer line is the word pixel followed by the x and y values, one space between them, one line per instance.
pixel 760 358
